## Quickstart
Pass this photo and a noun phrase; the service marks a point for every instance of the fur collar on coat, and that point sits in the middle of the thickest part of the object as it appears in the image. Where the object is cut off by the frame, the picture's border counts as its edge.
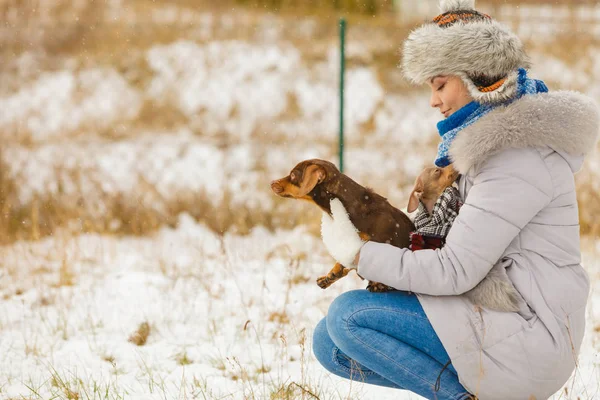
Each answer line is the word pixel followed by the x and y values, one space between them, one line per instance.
pixel 563 120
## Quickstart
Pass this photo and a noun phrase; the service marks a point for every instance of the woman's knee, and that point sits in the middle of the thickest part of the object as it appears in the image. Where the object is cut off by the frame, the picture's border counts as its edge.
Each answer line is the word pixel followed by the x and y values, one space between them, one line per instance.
pixel 347 303
pixel 341 310
pixel 323 346
pixel 330 356
pixel 357 308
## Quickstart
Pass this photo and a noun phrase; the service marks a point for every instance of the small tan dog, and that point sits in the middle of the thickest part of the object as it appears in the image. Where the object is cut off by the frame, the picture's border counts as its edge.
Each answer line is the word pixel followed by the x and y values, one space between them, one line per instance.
pixel 430 185
pixel 438 203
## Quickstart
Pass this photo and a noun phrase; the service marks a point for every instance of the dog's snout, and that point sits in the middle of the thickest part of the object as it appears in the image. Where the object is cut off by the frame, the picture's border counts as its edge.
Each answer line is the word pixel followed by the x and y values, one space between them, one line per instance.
pixel 276 187
pixel 454 175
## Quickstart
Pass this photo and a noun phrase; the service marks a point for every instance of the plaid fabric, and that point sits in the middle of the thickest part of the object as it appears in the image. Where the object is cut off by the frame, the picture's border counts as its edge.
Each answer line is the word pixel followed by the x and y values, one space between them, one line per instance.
pixel 442 216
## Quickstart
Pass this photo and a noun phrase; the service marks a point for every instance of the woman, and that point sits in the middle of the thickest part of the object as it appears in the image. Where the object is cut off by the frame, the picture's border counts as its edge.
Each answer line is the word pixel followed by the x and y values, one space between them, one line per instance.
pixel 516 147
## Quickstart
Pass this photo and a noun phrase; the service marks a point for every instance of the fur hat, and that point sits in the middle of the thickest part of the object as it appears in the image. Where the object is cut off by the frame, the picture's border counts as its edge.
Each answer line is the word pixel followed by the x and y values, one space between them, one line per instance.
pixel 464 42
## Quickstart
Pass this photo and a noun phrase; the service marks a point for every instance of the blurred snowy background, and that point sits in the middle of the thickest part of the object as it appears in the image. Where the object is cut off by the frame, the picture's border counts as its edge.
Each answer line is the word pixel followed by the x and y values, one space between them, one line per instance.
pixel 142 253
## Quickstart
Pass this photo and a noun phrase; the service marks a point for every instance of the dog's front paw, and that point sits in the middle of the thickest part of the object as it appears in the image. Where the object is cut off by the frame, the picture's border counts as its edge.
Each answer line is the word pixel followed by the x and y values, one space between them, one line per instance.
pixel 324 282
pixel 376 287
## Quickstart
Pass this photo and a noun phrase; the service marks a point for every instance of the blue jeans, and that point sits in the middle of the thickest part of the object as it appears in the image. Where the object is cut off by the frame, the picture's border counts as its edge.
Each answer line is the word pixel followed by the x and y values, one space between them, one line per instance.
pixel 386 339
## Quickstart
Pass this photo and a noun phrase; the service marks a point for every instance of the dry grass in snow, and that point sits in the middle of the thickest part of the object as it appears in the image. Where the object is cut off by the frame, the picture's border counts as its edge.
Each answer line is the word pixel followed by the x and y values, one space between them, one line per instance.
pixel 187 313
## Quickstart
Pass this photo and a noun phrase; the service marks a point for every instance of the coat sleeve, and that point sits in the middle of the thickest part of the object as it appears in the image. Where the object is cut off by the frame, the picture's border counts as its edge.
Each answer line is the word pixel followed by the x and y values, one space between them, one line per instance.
pixel 508 190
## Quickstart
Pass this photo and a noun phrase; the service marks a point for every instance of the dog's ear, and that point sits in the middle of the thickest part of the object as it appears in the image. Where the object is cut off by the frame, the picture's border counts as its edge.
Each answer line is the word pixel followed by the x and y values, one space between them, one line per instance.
pixel 313 174
pixel 415 195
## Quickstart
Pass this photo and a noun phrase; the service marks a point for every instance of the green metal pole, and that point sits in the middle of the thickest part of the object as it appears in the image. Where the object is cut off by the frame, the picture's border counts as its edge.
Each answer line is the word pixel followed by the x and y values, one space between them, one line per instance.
pixel 342 71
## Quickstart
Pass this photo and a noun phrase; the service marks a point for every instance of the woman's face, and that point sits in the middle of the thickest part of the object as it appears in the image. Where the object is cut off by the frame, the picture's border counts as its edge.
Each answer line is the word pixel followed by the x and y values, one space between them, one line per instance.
pixel 449 94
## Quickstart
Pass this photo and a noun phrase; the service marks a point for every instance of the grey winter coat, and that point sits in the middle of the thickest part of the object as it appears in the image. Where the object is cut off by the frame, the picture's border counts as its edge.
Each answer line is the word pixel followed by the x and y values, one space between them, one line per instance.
pixel 520 212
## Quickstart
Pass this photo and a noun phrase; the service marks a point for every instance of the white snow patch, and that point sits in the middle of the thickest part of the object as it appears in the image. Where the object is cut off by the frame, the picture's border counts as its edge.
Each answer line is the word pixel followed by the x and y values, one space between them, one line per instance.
pixel 61 102
pixel 215 300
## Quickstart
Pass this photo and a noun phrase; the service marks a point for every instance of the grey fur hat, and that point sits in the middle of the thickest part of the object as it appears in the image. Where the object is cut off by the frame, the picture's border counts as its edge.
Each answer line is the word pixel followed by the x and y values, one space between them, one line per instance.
pixel 464 42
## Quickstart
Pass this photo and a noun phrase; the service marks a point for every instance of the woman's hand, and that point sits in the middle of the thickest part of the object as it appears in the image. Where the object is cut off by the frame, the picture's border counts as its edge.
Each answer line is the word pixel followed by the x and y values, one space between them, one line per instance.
pixel 340 236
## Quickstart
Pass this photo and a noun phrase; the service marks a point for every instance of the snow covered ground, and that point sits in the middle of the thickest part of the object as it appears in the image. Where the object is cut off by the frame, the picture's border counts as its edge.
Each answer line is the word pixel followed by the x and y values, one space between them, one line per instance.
pixel 230 317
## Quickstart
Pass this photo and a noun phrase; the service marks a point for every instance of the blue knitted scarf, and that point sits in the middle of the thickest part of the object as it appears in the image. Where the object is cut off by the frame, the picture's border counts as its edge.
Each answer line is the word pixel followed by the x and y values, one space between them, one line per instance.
pixel 467 115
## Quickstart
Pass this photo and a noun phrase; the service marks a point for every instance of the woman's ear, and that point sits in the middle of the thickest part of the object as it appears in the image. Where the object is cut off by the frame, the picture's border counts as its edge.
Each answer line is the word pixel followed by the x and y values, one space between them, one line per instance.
pixel 415 195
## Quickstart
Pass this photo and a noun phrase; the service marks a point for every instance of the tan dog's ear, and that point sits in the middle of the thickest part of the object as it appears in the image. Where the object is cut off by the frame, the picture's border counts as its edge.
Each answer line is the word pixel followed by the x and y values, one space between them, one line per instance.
pixel 313 174
pixel 415 195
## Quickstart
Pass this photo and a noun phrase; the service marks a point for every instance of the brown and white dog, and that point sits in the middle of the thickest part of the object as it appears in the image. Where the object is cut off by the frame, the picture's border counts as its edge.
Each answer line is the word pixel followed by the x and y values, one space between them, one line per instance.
pixel 319 182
